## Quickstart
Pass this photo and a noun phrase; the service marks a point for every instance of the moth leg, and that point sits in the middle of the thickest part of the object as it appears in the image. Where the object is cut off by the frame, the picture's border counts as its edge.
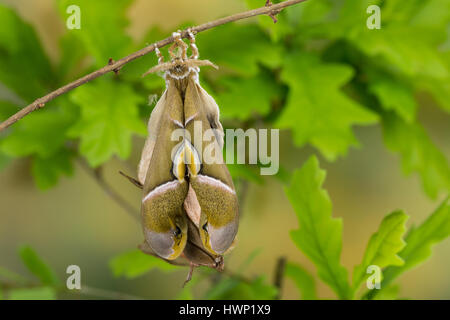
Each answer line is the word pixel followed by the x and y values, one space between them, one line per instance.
pixel 190 273
pixel 192 45
pixel 132 180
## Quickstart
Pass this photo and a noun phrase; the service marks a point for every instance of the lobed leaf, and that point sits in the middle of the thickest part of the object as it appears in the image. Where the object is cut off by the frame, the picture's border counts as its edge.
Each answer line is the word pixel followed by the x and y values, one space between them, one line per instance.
pixel 235 289
pixel 418 153
pixel 109 118
pixel 317 111
pixel 38 267
pixel 102 28
pixel 394 95
pixel 22 58
pixel 383 247
pixel 134 263
pixel 303 280
pixel 46 171
pixel 419 242
pixel 239 47
pixel 245 97
pixel 41 133
pixel 319 235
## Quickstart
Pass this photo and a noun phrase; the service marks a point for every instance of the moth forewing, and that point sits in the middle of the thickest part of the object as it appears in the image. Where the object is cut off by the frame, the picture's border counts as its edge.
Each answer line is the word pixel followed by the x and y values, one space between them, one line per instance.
pixel 165 189
pixel 152 128
pixel 212 183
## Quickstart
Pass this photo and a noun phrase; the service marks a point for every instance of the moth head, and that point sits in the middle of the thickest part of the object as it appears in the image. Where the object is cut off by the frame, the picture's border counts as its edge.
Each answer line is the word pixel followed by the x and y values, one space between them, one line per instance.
pixel 179 68
pixel 217 238
pixel 171 243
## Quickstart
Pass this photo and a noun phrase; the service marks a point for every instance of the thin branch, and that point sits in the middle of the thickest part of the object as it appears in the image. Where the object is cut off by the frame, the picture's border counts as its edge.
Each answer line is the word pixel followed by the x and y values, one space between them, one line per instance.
pixel 97 174
pixel 279 274
pixel 114 66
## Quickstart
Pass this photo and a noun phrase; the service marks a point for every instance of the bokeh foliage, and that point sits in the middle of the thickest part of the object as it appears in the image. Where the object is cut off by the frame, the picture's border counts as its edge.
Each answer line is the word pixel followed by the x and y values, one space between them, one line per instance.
pixel 318 72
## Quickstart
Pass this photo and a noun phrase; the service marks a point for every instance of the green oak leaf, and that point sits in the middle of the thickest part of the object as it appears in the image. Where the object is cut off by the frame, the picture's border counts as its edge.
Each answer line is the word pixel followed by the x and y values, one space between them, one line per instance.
pixel 235 289
pixel 245 172
pixel 417 12
pixel 419 242
pixel 72 54
pixel 299 20
pixel 239 47
pixel 7 109
pixel 406 47
pixel 383 247
pixel 38 267
pixel 388 293
pixel 319 235
pixel 317 111
pixel 303 280
pixel 134 70
pixel 46 171
pixel 102 28
pixel 439 88
pixel 394 95
pixel 24 66
pixel 418 154
pixel 244 97
pixel 109 118
pixel 135 263
pixel 41 133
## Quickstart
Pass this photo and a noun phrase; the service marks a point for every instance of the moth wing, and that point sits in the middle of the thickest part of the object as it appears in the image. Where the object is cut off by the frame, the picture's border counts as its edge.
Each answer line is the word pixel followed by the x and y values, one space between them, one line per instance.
pixel 212 183
pixel 152 128
pixel 164 220
pixel 212 113
pixel 180 261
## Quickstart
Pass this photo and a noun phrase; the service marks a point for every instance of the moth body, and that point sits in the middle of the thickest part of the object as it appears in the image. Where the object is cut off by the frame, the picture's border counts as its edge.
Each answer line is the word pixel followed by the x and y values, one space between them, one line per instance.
pixel 189 205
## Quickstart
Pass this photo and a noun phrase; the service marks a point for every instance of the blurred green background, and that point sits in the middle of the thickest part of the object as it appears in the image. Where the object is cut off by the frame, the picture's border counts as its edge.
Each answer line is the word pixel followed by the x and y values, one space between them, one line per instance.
pixel 76 222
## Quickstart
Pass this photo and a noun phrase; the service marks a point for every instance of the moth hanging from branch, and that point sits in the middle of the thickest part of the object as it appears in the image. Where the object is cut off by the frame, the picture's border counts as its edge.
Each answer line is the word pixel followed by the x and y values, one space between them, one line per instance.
pixel 189 206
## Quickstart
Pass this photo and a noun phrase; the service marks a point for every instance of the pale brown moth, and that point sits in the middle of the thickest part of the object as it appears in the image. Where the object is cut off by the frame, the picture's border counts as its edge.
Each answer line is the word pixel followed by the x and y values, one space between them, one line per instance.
pixel 189 208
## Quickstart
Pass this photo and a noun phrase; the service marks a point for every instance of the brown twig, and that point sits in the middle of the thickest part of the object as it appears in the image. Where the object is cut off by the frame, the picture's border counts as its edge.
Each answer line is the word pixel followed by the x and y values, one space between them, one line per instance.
pixel 97 174
pixel 279 274
pixel 115 66
pixel 273 13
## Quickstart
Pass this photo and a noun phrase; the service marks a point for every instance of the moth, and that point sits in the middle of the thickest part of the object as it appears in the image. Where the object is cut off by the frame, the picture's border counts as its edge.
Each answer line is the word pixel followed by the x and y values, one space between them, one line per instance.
pixel 189 207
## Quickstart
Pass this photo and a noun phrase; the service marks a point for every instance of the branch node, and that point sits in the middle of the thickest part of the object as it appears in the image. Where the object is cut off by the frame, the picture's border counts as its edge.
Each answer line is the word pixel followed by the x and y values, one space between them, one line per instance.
pixel 111 61
pixel 273 13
